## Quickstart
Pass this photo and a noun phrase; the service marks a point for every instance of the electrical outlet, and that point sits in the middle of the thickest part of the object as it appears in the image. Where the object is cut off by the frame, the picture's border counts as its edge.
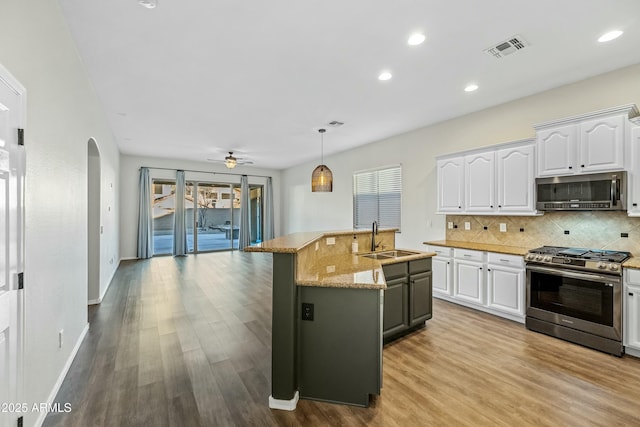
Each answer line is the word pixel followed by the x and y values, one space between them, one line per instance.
pixel 60 338
pixel 450 225
pixel 624 234
pixel 503 227
pixel 317 245
pixel 467 226
pixel 307 311
pixel 331 240
pixel 331 268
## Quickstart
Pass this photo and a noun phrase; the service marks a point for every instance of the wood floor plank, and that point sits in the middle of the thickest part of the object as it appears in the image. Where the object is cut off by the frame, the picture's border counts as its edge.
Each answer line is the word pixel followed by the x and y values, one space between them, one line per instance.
pixel 187 342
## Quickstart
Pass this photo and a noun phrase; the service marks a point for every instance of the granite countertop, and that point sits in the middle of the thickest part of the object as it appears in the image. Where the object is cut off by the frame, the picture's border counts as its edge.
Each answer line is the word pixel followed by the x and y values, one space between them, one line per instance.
pixel 337 271
pixel 291 243
pixel 488 247
pixel 633 262
pixel 350 271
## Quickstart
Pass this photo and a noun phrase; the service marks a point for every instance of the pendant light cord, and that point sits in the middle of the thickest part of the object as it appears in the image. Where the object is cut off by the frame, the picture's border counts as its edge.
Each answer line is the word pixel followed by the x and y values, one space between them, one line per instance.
pixel 322 131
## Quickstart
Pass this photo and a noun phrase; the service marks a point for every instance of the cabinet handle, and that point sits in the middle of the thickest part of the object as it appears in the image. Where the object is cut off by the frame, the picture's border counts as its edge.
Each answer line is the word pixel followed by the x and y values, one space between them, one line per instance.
pixel 570 167
pixel 488 269
pixel 635 205
pixel 467 256
pixel 581 166
pixel 504 260
pixel 480 268
pixel 499 206
pixel 630 294
pixel 448 263
pixel 459 207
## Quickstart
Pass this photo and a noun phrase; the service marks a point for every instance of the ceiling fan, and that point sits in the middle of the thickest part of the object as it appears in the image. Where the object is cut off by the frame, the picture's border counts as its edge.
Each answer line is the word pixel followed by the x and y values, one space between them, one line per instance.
pixel 231 162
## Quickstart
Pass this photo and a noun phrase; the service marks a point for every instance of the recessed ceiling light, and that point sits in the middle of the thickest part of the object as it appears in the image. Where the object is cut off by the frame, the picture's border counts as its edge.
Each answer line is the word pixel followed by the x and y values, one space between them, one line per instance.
pixel 385 75
pixel 149 4
pixel 471 87
pixel 416 39
pixel 610 36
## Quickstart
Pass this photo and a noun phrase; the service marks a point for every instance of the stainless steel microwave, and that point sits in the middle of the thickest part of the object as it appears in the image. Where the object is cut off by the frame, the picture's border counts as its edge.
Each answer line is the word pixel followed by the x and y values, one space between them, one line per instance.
pixel 586 192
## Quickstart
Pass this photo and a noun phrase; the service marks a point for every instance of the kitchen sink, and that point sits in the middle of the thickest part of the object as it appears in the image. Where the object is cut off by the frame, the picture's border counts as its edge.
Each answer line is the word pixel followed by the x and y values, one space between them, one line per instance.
pixel 389 254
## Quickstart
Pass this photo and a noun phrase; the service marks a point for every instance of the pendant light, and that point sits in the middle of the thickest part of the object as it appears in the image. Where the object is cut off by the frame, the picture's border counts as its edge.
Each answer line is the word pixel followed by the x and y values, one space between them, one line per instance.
pixel 322 178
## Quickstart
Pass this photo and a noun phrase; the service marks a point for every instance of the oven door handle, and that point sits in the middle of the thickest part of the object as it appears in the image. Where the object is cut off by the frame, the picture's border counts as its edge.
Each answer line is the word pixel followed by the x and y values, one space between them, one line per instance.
pixel 594 277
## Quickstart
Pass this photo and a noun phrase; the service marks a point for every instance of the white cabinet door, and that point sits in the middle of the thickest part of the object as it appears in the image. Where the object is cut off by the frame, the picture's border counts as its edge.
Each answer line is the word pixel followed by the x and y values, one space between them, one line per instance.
pixel 631 329
pixel 479 179
pixel 633 200
pixel 602 144
pixel 469 281
pixel 516 179
pixel 556 150
pixel 450 175
pixel 441 268
pixel 505 289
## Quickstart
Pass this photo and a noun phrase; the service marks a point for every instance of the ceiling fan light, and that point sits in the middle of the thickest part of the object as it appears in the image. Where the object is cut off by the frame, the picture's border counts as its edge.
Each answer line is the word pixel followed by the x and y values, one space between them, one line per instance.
pixel 230 162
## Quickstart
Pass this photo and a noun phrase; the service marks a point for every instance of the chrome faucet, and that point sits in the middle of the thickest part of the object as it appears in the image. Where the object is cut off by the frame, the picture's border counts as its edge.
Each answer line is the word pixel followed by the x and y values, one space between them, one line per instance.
pixel 374 233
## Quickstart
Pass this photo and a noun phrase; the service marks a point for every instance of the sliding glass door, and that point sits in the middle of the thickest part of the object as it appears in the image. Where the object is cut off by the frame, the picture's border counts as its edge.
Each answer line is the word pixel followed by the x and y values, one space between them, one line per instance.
pixel 212 216
pixel 163 204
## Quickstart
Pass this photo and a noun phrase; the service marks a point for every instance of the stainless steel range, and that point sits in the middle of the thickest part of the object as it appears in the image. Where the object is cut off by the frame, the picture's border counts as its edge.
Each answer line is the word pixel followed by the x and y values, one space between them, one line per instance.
pixel 576 294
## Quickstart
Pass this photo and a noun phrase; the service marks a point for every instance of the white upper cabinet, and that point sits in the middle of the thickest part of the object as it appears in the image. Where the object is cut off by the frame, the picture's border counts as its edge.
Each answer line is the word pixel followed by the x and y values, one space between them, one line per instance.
pixel 593 142
pixel 602 144
pixel 516 179
pixel 633 201
pixel 479 182
pixel 556 150
pixel 493 181
pixel 450 177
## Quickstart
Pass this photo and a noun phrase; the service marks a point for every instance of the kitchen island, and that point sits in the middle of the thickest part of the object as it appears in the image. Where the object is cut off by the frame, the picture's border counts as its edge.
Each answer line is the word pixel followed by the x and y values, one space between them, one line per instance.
pixel 328 319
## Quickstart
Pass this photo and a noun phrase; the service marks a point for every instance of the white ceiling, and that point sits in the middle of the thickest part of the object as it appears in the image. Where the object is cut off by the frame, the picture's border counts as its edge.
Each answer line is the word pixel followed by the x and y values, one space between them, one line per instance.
pixel 193 79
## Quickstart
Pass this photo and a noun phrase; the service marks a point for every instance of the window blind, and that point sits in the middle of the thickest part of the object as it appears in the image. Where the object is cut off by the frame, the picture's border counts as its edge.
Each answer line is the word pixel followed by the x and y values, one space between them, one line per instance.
pixel 377 196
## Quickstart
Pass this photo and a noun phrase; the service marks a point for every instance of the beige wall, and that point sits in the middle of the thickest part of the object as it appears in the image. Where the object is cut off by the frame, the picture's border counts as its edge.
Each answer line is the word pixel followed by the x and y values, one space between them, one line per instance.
pixel 416 151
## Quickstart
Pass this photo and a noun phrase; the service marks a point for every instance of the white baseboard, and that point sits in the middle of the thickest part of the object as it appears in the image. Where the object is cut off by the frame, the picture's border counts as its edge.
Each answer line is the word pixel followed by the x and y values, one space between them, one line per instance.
pixel 285 405
pixel 128 258
pixel 632 352
pixel 65 370
pixel 99 300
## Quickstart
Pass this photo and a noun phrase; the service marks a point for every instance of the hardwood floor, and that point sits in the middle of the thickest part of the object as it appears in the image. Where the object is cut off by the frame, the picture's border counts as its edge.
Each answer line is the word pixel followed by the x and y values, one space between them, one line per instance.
pixel 186 342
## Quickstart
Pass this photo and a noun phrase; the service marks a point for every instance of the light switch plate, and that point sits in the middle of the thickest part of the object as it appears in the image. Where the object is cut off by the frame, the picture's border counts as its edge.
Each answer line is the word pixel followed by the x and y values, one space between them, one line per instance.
pixel 450 225
pixel 331 240
pixel 467 225
pixel 503 227
pixel 331 268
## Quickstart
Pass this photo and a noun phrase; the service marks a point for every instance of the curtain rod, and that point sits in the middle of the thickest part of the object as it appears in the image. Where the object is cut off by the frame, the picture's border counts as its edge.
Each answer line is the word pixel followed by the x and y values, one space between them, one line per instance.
pixel 215 173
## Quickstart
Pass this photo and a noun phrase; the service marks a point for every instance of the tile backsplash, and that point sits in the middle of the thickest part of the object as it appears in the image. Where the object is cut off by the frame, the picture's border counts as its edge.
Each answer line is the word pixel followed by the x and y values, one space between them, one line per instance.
pixel 595 230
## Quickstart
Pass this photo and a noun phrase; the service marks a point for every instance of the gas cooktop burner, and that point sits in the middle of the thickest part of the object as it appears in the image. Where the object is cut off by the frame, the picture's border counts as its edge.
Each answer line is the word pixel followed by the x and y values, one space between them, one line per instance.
pixel 578 258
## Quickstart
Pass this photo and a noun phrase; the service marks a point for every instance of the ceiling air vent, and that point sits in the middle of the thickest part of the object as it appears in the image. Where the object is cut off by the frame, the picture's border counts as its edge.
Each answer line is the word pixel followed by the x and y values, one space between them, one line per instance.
pixel 335 124
pixel 507 47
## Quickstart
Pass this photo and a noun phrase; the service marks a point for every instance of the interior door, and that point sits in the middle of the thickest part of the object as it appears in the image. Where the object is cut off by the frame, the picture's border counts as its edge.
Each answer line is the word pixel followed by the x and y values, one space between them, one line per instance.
pixel 12 98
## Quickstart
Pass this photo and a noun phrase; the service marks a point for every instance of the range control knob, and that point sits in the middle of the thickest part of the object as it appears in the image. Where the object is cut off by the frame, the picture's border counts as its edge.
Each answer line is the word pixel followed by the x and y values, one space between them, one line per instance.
pixel 528 257
pixel 613 267
pixel 538 257
pixel 547 258
pixel 602 265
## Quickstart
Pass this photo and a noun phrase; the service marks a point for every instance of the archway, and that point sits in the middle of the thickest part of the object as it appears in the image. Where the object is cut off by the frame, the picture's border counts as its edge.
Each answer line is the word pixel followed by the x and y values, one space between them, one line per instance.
pixel 93 221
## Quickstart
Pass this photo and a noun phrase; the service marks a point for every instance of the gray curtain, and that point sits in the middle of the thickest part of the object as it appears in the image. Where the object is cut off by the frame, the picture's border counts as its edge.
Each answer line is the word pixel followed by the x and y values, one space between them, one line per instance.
pixel 269 229
pixel 145 221
pixel 244 235
pixel 179 224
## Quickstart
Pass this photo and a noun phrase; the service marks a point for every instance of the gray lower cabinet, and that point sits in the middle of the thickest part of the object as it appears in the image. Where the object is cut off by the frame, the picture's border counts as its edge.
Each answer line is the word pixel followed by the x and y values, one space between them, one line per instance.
pixel 339 344
pixel 408 297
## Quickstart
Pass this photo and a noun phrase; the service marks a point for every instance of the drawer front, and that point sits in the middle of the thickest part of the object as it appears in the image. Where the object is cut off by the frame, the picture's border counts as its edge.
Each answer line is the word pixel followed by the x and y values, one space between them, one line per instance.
pixel 392 271
pixel 441 250
pixel 506 260
pixel 633 276
pixel 468 255
pixel 420 265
